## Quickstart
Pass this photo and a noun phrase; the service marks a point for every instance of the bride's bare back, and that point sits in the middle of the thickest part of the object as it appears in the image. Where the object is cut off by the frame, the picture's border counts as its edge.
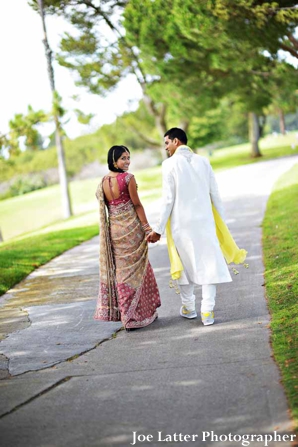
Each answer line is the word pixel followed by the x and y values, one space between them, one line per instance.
pixel 111 188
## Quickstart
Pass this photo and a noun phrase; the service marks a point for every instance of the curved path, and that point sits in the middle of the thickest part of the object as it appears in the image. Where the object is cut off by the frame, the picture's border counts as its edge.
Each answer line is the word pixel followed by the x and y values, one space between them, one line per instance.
pixel 175 376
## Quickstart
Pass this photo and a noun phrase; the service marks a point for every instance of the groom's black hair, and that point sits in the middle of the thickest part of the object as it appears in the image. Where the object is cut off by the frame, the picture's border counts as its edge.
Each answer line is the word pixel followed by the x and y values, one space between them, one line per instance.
pixel 175 132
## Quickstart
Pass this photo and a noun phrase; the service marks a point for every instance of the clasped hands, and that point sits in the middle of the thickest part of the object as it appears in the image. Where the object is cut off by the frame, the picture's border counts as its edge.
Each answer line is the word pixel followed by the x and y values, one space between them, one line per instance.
pixel 153 237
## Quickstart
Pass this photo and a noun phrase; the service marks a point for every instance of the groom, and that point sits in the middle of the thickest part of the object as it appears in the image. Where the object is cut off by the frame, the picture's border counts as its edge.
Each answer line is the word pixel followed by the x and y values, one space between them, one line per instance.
pixel 188 191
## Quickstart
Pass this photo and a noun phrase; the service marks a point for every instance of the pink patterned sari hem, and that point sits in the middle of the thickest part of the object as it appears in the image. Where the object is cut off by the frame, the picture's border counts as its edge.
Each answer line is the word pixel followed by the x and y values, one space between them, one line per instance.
pixel 144 323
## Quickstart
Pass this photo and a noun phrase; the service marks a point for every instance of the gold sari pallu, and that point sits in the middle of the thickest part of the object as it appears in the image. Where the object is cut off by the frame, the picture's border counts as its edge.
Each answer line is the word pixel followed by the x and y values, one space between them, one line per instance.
pixel 107 305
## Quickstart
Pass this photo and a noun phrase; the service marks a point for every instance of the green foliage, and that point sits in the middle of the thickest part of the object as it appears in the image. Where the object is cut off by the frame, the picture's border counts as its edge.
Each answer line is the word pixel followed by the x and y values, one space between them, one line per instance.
pixel 228 122
pixel 24 126
pixel 216 46
pixel 137 130
pixel 96 52
pixel 57 108
pixel 280 233
pixel 24 184
pixel 285 93
pixel 81 151
pixel 129 129
pixel 187 60
pixel 82 117
pixel 269 25
pixel 202 55
pixel 10 143
pixel 27 162
pixel 206 51
pixel 101 56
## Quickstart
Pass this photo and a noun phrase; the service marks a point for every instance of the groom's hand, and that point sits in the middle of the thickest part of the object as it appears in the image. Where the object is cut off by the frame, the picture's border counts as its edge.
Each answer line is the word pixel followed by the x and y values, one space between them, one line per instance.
pixel 153 237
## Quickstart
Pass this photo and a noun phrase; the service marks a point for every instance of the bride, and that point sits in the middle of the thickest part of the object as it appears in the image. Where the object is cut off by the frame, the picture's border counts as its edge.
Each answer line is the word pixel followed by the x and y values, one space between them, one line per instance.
pixel 128 289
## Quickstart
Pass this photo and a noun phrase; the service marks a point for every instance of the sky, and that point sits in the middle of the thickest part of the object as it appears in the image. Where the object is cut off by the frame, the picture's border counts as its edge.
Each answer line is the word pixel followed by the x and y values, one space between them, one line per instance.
pixel 24 79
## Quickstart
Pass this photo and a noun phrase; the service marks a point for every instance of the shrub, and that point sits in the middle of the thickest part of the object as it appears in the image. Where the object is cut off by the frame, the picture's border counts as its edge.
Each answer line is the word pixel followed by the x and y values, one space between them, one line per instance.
pixel 23 184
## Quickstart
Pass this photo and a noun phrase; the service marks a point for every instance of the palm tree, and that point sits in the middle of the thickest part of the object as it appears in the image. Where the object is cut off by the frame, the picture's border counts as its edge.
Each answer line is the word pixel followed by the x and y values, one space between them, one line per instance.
pixel 66 204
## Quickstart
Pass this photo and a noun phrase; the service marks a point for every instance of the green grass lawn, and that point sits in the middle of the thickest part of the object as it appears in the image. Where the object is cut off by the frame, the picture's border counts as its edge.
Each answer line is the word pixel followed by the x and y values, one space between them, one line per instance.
pixel 270 146
pixel 29 212
pixel 280 236
pixel 21 257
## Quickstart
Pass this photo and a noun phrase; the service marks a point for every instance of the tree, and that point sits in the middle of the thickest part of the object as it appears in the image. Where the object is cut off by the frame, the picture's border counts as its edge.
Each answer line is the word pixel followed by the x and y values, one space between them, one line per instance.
pixel 24 126
pixel 100 55
pixel 224 125
pixel 219 45
pixel 100 62
pixel 270 25
pixel 10 143
pixel 285 94
pixel 185 54
pixel 57 113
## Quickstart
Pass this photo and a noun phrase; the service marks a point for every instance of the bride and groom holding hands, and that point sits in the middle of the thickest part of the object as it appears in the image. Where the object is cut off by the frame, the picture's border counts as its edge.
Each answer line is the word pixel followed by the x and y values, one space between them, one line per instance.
pixel 192 215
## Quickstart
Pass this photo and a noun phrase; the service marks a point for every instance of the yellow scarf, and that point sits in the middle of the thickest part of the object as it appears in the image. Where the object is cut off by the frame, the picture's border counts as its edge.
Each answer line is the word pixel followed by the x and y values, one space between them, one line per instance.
pixel 229 248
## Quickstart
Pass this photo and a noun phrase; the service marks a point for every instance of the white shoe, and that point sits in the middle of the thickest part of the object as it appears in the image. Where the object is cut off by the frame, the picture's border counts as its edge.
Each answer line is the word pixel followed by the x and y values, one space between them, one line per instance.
pixel 184 312
pixel 207 318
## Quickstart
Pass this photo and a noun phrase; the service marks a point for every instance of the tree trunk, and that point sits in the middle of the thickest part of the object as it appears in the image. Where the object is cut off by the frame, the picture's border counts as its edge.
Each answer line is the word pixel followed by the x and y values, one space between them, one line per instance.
pixel 65 196
pixel 66 204
pixel 282 123
pixel 160 120
pixel 254 134
pixel 153 143
pixel 184 124
pixel 262 121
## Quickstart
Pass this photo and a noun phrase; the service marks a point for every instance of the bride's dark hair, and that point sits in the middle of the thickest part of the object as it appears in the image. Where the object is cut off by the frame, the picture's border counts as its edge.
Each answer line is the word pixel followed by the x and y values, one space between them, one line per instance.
pixel 113 155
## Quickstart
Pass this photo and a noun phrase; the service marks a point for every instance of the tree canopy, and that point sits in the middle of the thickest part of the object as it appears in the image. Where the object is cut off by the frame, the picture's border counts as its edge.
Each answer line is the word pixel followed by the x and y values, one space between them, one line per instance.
pixel 216 48
pixel 187 55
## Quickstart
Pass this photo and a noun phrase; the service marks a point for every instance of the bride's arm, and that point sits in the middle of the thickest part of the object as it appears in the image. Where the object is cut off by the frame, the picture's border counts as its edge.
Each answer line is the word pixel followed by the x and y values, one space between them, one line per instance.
pixel 132 189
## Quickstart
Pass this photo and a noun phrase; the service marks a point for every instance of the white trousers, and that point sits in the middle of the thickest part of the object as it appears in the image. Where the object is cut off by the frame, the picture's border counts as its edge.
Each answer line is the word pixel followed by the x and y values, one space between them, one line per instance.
pixel 189 300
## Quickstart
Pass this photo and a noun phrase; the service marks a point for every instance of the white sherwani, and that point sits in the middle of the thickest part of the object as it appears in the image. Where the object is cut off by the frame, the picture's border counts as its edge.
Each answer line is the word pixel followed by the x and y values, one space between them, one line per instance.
pixel 189 186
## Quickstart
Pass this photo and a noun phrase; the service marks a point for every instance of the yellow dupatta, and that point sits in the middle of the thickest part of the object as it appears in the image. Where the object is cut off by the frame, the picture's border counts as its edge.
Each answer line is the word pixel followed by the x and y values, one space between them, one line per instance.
pixel 229 248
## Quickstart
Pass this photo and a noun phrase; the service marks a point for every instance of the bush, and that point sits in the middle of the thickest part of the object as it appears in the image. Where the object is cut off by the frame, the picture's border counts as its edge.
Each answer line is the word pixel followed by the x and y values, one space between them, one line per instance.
pixel 23 184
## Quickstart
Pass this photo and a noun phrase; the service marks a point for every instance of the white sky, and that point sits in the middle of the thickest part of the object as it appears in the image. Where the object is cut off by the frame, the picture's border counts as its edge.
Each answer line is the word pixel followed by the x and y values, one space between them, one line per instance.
pixel 24 78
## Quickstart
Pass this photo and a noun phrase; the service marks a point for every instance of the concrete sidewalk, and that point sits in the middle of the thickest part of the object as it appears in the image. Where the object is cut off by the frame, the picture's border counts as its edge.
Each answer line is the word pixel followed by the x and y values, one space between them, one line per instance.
pixel 71 381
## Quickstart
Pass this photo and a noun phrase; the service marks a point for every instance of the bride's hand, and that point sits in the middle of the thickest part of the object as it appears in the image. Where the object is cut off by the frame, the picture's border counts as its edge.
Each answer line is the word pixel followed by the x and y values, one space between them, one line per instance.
pixel 153 237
